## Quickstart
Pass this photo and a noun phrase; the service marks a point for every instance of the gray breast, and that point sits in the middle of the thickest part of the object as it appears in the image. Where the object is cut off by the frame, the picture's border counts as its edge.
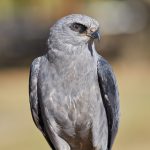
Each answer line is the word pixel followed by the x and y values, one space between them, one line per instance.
pixel 71 101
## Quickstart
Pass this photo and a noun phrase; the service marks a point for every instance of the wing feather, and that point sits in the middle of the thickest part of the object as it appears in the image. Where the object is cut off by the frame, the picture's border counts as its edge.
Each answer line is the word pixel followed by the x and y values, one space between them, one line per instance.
pixel 34 99
pixel 110 97
pixel 34 70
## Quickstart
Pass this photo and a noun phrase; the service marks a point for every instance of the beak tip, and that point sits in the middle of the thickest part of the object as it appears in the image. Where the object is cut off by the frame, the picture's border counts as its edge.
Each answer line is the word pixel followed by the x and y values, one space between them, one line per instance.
pixel 95 35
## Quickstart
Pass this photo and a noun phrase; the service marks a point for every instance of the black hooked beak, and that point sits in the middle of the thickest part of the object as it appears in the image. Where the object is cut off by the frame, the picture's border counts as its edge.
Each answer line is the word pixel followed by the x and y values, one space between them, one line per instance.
pixel 94 35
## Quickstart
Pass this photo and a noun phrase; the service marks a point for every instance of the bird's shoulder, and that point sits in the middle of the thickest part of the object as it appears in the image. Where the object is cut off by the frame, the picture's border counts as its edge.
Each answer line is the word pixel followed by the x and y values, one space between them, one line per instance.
pixel 35 65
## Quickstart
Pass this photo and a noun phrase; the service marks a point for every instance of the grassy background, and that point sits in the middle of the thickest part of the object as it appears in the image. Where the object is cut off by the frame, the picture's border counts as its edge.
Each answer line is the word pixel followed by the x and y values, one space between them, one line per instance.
pixel 18 132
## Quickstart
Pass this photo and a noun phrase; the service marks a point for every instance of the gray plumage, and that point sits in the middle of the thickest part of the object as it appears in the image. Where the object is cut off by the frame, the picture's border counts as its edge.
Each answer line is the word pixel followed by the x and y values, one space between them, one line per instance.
pixel 73 92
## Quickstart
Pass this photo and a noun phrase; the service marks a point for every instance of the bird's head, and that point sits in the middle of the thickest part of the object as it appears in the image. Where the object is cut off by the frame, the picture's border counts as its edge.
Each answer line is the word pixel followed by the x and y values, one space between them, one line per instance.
pixel 75 30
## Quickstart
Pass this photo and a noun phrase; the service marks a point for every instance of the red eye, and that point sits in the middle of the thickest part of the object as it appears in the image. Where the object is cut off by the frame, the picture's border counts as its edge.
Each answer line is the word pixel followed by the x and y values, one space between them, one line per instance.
pixel 77 27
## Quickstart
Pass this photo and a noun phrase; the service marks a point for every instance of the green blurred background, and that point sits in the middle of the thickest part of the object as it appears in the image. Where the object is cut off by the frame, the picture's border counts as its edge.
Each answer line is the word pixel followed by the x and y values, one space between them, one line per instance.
pixel 125 42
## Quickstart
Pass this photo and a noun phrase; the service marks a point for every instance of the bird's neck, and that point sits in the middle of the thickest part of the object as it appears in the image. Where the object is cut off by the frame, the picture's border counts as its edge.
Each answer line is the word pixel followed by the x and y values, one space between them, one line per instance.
pixel 59 50
pixel 67 55
pixel 69 63
pixel 65 51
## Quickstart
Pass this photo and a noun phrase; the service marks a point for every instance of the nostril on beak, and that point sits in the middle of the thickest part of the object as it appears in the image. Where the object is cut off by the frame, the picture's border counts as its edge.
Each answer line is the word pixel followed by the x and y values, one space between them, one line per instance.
pixel 93 33
pixel 92 30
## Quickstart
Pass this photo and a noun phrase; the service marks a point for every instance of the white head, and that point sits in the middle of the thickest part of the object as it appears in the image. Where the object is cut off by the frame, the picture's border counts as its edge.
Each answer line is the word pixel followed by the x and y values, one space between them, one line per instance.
pixel 73 30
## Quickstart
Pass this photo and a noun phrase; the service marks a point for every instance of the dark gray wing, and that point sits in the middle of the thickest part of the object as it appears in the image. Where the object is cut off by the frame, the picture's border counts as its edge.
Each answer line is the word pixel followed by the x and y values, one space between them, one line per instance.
pixel 110 97
pixel 34 70
pixel 34 101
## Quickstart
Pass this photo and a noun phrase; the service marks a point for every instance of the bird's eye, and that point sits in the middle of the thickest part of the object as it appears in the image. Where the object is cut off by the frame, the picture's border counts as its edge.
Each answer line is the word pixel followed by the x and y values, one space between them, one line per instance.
pixel 77 27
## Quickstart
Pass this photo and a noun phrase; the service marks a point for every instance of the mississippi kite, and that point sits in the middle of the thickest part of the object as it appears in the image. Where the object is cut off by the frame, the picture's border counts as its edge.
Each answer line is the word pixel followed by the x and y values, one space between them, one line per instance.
pixel 73 92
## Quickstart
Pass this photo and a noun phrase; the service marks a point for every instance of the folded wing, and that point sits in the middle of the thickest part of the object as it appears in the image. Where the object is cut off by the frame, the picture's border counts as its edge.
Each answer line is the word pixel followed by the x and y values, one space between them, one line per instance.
pixel 34 98
pixel 110 97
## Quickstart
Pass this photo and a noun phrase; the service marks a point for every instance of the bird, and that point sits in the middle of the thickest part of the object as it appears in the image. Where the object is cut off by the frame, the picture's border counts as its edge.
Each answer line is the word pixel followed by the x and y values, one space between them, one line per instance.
pixel 73 91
